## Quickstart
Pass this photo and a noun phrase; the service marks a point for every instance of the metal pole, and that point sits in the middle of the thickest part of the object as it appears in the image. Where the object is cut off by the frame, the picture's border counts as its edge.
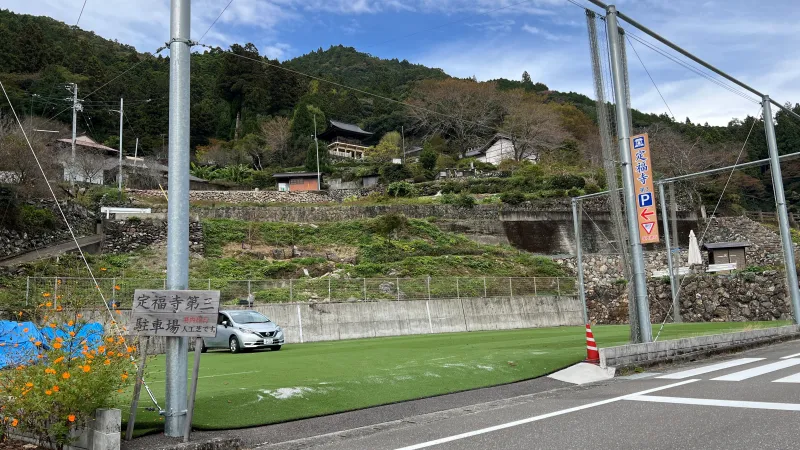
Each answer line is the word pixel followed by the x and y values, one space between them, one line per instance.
pixel 683 52
pixel 398 289
pixel 485 295
pixel 510 288
pixel 676 307
pixel 578 259
pixel 624 134
pixel 291 291
pixel 136 151
pixel 458 291
pixel 402 134
pixel 74 131
pixel 365 289
pixel 27 290
pixel 198 345
pixel 676 256
pixel 178 208
pixel 783 219
pixel 329 289
pixel 137 389
pixel 428 281
pixel 316 144
pixel 121 113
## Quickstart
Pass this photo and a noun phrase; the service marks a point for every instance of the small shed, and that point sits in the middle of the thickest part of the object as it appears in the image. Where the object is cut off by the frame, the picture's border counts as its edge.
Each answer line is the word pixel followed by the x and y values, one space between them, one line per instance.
pixel 297 181
pixel 727 253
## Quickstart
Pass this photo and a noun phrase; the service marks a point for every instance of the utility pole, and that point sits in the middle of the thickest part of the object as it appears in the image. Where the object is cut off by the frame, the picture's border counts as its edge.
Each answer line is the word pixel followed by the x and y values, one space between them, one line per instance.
pixel 178 208
pixel 119 178
pixel 577 221
pixel 316 144
pixel 624 134
pixel 780 203
pixel 75 108
pixel 403 135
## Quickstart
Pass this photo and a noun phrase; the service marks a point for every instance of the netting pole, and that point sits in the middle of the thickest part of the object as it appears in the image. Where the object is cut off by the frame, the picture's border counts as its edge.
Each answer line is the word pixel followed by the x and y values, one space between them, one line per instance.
pixel 365 289
pixel 398 289
pixel 485 292
pixel 27 290
pixel 510 288
pixel 458 291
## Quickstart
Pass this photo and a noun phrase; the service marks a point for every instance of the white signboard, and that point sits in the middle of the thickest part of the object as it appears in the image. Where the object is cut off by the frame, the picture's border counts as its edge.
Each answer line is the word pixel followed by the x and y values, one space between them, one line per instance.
pixel 175 313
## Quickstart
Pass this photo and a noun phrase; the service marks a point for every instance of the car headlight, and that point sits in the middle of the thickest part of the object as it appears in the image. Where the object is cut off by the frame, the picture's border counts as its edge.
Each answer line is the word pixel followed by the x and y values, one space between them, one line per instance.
pixel 279 333
pixel 248 330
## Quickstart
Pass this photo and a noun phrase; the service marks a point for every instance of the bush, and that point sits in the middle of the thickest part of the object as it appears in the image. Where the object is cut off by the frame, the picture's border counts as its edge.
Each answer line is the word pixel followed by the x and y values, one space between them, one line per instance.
pixel 32 218
pixel 592 188
pixel 57 383
pixel 390 223
pixel 512 198
pixel 575 192
pixel 452 187
pixel 567 182
pixel 461 200
pixel 401 189
pixel 394 172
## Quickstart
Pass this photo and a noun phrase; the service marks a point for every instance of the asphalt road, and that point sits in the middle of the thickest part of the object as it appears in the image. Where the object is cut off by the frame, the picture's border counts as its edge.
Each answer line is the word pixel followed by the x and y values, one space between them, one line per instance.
pixel 743 401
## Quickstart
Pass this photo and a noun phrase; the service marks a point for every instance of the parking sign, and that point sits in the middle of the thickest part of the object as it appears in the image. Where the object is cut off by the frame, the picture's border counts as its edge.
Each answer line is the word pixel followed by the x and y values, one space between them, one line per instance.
pixel 642 168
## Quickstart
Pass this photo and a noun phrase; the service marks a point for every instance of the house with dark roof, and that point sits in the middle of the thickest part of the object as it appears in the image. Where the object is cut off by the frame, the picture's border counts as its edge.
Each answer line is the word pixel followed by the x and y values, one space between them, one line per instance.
pixel 345 139
pixel 499 148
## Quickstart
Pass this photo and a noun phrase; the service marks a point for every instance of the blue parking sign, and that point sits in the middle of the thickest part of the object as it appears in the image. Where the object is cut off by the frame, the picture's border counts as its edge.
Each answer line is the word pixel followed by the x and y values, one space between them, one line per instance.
pixel 638 142
pixel 645 199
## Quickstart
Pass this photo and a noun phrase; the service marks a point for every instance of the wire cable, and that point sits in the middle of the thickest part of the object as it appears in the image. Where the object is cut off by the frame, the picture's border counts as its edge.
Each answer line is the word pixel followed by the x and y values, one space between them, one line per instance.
pixel 215 21
pixel 81 14
pixel 650 76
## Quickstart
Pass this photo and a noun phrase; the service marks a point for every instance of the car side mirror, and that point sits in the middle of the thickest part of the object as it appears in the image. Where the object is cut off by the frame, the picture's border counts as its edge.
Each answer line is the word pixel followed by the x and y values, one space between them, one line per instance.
pixel 225 323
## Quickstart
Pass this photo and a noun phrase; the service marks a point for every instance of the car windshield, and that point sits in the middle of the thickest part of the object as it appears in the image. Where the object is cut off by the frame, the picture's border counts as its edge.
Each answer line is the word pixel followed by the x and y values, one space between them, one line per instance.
pixel 248 317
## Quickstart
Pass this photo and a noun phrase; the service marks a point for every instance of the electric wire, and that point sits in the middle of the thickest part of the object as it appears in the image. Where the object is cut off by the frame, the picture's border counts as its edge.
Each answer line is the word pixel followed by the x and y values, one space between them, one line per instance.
pixel 81 14
pixel 215 21
pixel 650 76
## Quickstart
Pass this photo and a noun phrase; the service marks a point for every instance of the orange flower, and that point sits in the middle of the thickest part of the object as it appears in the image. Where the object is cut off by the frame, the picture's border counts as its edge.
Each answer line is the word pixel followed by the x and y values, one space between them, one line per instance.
pixel 130 349
pixel 52 325
pixel 72 334
pixel 46 294
pixel 86 368
pixel 37 343
pixel 59 281
pixel 48 392
pixel 39 356
pixel 56 388
pixel 58 360
pixel 110 340
pixel 29 384
pixel 50 371
pixel 70 323
pixel 19 314
pixel 14 422
pixel 56 345
pixel 107 362
pixel 124 376
pixel 24 330
pixel 59 308
pixel 103 269
pixel 71 417
pixel 116 287
pixel 48 304
pixel 120 340
pixel 118 311
pixel 101 349
pixel 59 339
pixel 79 316
pixel 65 375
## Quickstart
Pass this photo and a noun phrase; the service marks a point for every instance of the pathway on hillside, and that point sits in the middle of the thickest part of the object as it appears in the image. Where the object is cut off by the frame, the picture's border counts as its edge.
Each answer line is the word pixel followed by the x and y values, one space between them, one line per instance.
pixel 53 250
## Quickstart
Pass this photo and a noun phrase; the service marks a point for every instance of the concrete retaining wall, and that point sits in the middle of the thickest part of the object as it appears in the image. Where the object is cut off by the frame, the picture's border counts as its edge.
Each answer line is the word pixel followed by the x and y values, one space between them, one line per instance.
pixel 313 322
pixel 664 351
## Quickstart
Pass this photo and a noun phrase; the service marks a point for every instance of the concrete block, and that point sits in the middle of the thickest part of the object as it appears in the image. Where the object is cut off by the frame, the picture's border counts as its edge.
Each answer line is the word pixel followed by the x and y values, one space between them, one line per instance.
pixel 105 441
pixel 107 420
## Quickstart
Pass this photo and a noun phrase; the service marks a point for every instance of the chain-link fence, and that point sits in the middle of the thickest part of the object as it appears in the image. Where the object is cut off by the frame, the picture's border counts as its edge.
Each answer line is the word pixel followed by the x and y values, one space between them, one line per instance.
pixel 120 290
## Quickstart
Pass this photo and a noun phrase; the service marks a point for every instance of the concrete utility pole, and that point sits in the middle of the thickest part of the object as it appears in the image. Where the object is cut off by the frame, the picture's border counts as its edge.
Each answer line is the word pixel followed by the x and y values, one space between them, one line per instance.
pixel 676 307
pixel 316 144
pixel 178 208
pixel 75 107
pixel 780 203
pixel 624 134
pixel 119 181
pixel 577 221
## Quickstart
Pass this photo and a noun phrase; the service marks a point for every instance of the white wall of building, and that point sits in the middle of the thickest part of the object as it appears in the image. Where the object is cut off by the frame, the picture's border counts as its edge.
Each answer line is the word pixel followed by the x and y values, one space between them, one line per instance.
pixel 501 150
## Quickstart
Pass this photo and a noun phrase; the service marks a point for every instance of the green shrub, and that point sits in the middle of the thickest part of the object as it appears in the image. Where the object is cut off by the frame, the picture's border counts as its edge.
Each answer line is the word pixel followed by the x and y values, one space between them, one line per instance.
pixel 592 188
pixel 36 219
pixel 461 200
pixel 394 172
pixel 452 187
pixel 567 182
pixel 401 189
pixel 575 192
pixel 512 198
pixel 390 223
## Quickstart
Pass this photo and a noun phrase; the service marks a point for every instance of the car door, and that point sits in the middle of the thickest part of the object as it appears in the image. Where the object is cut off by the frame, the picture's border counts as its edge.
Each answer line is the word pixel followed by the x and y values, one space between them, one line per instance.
pixel 221 339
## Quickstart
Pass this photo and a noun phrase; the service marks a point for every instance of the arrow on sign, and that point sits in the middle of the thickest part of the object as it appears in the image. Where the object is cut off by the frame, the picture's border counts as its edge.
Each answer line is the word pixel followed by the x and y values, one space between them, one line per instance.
pixel 646 213
pixel 648 227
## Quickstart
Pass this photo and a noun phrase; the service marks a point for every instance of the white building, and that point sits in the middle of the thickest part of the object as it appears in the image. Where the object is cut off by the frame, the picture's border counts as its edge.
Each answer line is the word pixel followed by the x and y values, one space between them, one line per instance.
pixel 499 148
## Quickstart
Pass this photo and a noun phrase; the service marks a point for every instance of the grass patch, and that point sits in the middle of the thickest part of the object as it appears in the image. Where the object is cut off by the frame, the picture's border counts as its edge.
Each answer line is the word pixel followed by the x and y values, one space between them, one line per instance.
pixel 307 380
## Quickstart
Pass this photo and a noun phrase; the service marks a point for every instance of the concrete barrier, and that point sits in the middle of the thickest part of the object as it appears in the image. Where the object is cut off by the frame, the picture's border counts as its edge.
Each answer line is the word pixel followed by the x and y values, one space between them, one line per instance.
pixel 665 351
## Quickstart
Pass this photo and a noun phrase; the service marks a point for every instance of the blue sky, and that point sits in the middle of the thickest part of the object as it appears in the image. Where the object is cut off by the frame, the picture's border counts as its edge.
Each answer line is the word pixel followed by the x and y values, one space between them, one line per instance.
pixel 753 40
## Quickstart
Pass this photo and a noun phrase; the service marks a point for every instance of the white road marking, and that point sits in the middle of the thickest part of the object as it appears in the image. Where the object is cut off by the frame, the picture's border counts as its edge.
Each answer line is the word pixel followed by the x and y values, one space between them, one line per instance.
pixel 791 356
pixel 760 370
pixel 714 402
pixel 710 368
pixel 790 379
pixel 540 417
pixel 210 376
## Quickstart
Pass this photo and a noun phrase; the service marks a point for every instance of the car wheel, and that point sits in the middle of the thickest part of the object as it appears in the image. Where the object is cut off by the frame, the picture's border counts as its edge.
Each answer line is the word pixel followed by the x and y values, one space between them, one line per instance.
pixel 234 345
pixel 203 348
pixel 275 348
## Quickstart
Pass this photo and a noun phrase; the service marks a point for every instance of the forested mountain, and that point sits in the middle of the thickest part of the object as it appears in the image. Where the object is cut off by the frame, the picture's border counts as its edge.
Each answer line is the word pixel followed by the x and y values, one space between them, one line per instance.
pixel 275 104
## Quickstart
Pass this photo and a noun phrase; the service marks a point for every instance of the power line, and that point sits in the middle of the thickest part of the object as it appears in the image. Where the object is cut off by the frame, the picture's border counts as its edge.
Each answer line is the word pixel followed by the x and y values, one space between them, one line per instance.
pixel 651 77
pixel 81 14
pixel 215 21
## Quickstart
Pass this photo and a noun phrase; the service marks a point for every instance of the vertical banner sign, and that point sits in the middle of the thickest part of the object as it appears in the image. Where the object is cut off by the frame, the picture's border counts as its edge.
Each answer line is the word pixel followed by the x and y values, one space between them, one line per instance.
pixel 641 164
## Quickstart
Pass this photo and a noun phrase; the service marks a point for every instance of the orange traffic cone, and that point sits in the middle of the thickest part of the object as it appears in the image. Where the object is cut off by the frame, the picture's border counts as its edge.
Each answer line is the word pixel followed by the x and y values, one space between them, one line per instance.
pixel 592 355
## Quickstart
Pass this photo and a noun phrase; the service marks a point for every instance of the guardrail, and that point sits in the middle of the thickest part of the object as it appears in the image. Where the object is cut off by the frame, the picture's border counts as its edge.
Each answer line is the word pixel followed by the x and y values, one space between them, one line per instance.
pixel 310 289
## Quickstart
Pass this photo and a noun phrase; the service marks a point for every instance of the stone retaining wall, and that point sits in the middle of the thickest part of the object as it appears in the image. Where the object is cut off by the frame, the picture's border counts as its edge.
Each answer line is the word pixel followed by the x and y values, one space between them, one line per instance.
pixel 245 196
pixel 13 242
pixel 121 236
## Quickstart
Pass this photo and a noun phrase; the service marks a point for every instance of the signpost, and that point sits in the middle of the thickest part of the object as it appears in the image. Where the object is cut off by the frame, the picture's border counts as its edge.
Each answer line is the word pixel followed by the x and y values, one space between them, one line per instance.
pixel 645 194
pixel 177 313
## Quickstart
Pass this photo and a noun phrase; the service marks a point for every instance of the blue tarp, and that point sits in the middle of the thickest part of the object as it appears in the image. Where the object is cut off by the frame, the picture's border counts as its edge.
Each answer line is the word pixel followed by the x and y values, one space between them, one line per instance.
pixel 19 349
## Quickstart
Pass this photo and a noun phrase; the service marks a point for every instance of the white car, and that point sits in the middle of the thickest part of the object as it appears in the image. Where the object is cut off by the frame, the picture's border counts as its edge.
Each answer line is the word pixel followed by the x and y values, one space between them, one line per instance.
pixel 245 329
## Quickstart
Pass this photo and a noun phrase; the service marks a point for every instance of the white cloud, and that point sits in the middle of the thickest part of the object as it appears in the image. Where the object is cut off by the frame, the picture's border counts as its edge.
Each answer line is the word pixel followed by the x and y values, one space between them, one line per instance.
pixel 544 33
pixel 278 50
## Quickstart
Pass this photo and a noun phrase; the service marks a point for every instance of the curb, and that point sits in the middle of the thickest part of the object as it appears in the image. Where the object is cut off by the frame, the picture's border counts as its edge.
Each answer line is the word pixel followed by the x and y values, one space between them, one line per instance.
pixel 688 349
pixel 211 444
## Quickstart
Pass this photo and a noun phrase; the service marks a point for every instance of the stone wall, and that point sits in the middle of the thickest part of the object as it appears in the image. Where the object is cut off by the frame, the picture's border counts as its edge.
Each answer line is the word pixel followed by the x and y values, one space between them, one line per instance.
pixel 704 297
pixel 14 242
pixel 122 236
pixel 244 196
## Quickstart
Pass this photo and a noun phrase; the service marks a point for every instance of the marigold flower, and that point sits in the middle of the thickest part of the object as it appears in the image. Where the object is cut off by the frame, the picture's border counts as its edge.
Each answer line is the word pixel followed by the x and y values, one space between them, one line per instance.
pixel 37 343
pixel 48 392
pixel 124 376
pixel 14 422
pixel 56 345
pixel 53 325
pixel 50 371
pixel 48 304
pixel 65 375
pixel 107 362
pixel 60 308
pixel 58 360
pixel 46 294
pixel 59 339
pixel 29 384
pixel 72 334
pixel 56 388
pixel 71 417
pixel 116 287
pixel 70 323
pixel 87 368
pixel 24 330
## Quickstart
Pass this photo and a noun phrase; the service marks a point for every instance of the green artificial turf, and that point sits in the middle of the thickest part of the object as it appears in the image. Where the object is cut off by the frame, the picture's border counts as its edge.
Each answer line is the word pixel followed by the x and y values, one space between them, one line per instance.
pixel 305 380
